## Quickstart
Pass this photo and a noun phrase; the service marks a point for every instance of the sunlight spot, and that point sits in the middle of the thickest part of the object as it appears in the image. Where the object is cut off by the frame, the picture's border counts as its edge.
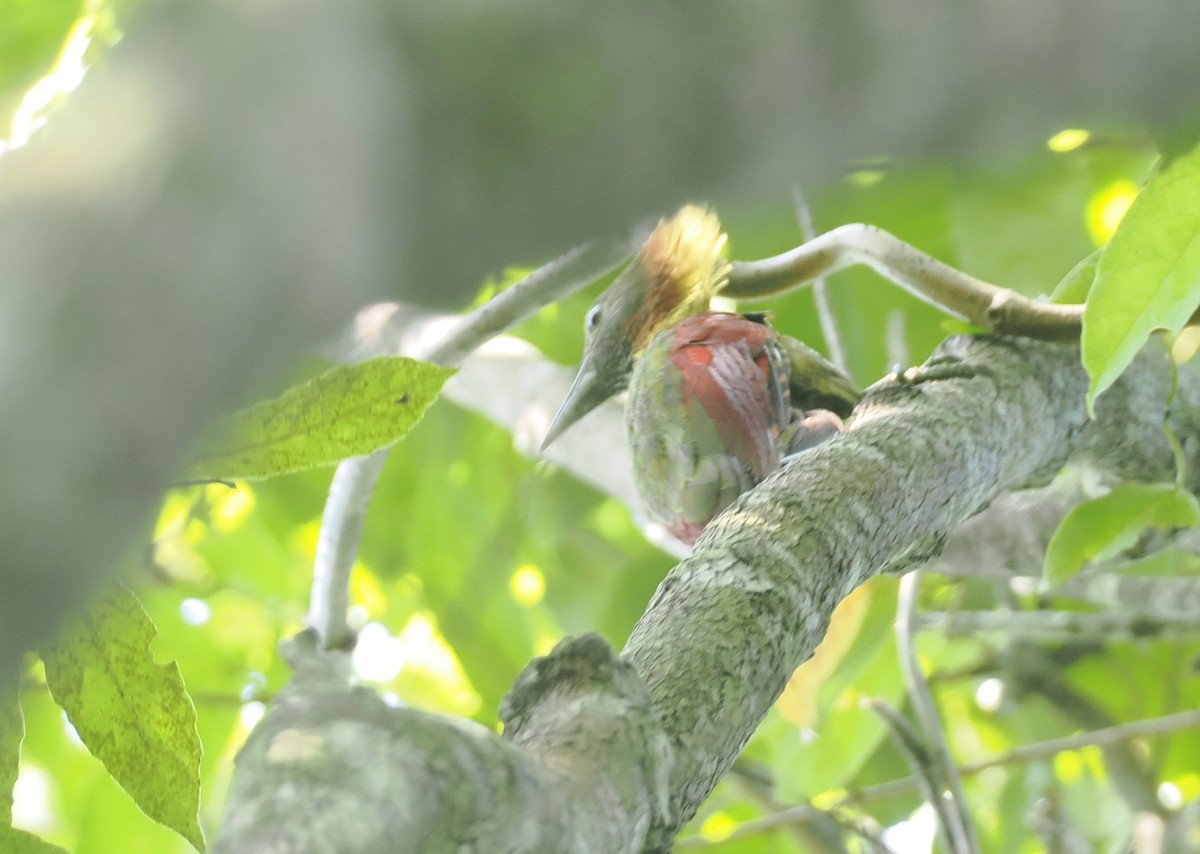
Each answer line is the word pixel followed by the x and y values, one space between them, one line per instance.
pixel 527 585
pixel 1170 796
pixel 32 799
pixel 356 617
pixel 1185 345
pixel 1068 140
pixel 1023 585
pixel 989 694
pixel 251 714
pixel 377 657
pixel 864 178
pixel 231 507
pixel 432 673
pixel 1068 766
pixel 914 835
pixel 392 699
pixel 718 826
pixel 175 512
pixel 1106 209
pixel 195 612
pixel 62 79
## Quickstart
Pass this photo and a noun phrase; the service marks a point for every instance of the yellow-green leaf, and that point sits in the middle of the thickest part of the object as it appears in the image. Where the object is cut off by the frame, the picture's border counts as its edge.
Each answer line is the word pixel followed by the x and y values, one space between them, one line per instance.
pixel 1075 286
pixel 12 731
pixel 349 411
pixel 1148 277
pixel 1166 563
pixel 14 841
pixel 133 714
pixel 1105 526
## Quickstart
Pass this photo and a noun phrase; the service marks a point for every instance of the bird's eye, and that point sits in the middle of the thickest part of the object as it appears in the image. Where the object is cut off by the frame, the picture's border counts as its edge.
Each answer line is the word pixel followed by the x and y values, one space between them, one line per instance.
pixel 592 320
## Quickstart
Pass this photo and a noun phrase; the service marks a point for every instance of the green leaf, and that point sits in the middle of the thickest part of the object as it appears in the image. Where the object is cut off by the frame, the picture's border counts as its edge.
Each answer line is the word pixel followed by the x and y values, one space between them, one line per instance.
pixel 1149 275
pixel 32 36
pixel 12 731
pixel 14 841
pixel 1166 563
pixel 133 714
pixel 349 411
pixel 1105 526
pixel 1076 285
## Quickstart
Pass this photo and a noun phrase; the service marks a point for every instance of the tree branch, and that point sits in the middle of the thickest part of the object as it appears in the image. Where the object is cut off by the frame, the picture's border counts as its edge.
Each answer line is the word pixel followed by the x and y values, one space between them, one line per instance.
pixel 583 766
pixel 1063 625
pixel 928 773
pixel 958 827
pixel 982 304
pixel 729 624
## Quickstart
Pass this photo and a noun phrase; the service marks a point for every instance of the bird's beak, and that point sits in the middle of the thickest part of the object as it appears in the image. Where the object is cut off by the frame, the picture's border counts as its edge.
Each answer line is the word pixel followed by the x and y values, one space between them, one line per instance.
pixel 584 396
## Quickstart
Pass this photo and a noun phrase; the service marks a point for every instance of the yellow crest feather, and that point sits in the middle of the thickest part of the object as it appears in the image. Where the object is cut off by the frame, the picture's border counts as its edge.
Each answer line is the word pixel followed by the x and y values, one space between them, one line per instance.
pixel 684 270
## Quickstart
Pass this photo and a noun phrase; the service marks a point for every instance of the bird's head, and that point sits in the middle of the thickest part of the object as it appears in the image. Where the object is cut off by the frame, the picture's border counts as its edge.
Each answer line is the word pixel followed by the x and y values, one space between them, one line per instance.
pixel 676 273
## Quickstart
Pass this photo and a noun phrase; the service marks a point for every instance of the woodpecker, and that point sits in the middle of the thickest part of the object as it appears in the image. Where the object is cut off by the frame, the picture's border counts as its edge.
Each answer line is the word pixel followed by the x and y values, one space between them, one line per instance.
pixel 716 403
pixel 717 400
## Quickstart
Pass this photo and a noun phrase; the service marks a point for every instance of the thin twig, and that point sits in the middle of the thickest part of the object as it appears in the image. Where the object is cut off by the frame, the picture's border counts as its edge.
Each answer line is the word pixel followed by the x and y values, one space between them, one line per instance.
pixel 868 833
pixel 844 818
pixel 354 481
pixel 1061 624
pixel 962 829
pixel 825 315
pixel 982 304
pixel 337 546
pixel 756 783
pixel 801 813
pixel 547 284
pixel 1097 738
pixel 929 777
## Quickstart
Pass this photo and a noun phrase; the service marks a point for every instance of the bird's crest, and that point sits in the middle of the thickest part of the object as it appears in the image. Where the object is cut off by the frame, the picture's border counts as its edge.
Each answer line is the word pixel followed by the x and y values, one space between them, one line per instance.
pixel 683 269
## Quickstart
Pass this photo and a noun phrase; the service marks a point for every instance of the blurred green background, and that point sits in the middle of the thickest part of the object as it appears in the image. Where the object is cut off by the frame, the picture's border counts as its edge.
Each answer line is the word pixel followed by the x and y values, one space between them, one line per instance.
pixel 412 153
